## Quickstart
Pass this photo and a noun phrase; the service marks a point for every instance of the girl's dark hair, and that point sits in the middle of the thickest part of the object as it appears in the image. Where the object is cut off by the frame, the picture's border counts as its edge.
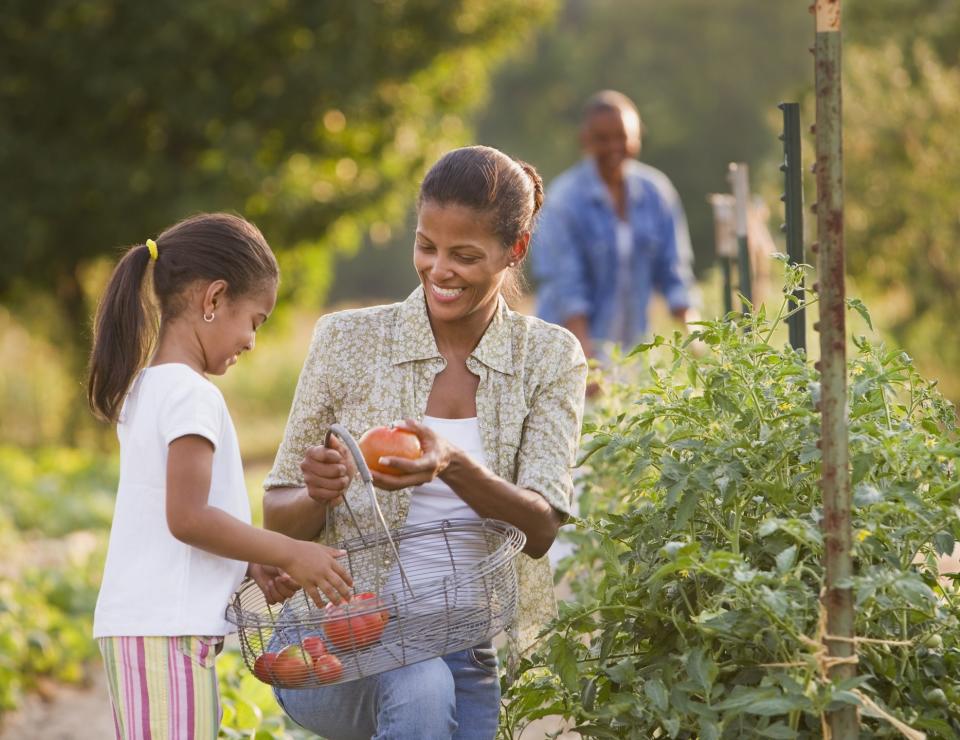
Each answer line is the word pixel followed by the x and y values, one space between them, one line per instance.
pixel 485 179
pixel 205 247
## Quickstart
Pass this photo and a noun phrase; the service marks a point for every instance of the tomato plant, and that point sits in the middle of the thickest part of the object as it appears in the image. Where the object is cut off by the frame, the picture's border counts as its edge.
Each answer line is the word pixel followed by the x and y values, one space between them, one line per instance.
pixel 698 573
pixel 389 441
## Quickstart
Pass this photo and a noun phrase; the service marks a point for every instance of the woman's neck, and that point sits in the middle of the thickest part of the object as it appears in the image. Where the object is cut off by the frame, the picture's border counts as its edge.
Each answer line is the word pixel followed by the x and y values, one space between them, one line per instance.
pixel 458 339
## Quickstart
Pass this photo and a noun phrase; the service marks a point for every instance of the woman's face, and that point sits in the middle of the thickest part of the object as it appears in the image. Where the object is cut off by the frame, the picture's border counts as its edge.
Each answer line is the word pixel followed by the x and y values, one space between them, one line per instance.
pixel 460 261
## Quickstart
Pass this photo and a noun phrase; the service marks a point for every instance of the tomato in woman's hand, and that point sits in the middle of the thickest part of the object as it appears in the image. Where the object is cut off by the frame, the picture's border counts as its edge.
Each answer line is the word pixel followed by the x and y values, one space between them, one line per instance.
pixel 389 441
pixel 348 630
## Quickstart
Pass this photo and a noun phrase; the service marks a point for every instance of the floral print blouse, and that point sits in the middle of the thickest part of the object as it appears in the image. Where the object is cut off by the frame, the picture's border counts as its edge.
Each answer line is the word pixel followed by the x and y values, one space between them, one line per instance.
pixel 372 366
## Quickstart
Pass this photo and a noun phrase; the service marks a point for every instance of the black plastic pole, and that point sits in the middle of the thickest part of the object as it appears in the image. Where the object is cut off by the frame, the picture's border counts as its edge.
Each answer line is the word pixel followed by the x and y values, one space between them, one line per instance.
pixel 792 168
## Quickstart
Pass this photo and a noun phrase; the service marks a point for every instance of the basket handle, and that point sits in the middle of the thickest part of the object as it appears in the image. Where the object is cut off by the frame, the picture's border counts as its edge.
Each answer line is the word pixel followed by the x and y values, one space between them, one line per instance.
pixel 340 431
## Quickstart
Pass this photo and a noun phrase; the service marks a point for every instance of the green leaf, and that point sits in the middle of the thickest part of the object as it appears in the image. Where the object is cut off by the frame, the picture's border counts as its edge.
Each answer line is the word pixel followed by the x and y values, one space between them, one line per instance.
pixel 709 730
pixel 786 559
pixel 777 730
pixel 657 693
pixel 686 507
pixel 623 672
pixel 857 305
pixel 702 669
pixel 943 543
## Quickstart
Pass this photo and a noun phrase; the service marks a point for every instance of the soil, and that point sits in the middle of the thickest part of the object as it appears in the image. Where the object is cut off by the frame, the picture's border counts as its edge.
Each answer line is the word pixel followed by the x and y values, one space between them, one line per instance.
pixel 60 712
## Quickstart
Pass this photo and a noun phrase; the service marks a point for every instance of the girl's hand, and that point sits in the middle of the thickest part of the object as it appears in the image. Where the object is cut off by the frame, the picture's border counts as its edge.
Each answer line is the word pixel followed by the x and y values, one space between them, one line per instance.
pixel 437 453
pixel 276 585
pixel 327 471
pixel 317 569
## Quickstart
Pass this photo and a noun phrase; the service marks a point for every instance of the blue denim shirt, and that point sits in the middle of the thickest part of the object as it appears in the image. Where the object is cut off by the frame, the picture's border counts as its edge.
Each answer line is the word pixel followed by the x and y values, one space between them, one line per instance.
pixel 574 252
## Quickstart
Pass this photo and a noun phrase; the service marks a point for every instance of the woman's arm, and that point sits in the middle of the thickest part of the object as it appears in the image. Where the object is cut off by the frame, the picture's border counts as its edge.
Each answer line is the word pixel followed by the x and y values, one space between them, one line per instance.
pixel 486 493
pixel 306 477
pixel 293 512
pixel 493 497
pixel 301 512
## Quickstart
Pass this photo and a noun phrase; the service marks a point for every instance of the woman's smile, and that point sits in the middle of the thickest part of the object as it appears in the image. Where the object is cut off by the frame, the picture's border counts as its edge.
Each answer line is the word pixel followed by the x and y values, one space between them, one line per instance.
pixel 446 295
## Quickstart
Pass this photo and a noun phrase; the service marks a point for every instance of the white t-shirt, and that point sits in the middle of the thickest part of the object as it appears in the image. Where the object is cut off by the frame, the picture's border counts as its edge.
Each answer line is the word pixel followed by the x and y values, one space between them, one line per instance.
pixel 153 584
pixel 620 330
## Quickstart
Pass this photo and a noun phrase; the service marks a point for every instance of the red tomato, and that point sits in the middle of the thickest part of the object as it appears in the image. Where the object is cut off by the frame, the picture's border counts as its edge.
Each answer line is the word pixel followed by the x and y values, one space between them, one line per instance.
pixel 349 630
pixel 327 668
pixel 315 646
pixel 292 667
pixel 389 442
pixel 263 667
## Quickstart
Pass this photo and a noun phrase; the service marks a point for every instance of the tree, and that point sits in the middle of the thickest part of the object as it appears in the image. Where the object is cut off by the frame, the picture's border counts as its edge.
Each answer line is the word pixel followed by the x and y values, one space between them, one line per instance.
pixel 902 157
pixel 312 119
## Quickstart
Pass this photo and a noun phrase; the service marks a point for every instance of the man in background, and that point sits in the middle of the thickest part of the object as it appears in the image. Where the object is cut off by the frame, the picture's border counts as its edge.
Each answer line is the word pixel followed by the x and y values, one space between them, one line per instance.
pixel 612 231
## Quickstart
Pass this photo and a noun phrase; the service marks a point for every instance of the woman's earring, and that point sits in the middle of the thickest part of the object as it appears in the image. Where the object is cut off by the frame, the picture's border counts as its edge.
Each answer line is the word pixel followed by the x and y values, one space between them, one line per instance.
pixel 208 317
pixel 512 264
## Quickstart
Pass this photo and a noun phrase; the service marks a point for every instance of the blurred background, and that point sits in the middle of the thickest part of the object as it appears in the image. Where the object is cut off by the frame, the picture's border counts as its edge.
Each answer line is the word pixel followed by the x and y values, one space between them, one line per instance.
pixel 317 121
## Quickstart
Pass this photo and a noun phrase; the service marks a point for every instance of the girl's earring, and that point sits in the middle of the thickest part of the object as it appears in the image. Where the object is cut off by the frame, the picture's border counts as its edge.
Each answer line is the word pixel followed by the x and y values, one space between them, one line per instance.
pixel 512 264
pixel 208 317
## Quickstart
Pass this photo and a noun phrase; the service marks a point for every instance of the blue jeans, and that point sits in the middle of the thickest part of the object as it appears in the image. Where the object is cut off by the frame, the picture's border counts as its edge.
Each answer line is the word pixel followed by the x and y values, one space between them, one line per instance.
pixel 456 696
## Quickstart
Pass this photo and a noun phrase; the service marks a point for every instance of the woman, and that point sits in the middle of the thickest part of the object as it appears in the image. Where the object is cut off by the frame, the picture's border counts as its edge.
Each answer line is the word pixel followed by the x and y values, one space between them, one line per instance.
pixel 499 397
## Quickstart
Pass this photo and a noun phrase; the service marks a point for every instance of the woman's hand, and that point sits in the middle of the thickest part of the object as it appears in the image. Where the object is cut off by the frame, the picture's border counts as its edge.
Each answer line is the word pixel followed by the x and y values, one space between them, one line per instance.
pixel 437 453
pixel 327 471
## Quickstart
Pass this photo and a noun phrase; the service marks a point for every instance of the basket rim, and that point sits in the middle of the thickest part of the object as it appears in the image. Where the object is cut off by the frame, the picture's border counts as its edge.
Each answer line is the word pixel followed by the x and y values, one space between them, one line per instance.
pixel 504 555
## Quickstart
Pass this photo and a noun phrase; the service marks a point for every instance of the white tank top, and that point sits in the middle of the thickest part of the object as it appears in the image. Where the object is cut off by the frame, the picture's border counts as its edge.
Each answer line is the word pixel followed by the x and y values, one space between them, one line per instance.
pixel 429 557
pixel 436 501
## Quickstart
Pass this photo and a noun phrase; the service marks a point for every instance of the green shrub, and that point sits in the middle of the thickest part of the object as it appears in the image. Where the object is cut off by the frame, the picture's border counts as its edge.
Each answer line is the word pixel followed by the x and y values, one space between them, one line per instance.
pixel 46 620
pixel 249 707
pixel 55 490
pixel 699 568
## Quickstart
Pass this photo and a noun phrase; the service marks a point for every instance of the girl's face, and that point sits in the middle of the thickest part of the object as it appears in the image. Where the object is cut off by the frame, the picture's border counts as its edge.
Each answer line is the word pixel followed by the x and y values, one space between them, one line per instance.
pixel 234 328
pixel 460 261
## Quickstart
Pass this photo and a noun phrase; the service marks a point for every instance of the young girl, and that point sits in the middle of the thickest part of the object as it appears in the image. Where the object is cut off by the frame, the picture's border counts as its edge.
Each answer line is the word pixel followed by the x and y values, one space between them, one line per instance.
pixel 181 538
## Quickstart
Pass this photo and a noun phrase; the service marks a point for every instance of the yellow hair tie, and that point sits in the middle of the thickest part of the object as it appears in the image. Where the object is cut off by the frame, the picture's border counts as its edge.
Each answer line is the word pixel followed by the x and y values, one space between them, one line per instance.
pixel 152 248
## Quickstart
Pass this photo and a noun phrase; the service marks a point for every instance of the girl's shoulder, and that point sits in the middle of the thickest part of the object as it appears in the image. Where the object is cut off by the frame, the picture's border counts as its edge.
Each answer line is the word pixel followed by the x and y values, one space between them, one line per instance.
pixel 175 381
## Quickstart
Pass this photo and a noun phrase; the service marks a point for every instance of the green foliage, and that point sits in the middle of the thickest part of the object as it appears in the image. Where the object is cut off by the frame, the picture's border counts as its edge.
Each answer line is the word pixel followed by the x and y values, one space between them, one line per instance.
pixel 698 575
pixel 249 707
pixel 313 119
pixel 46 612
pixel 54 512
pixel 53 491
pixel 901 159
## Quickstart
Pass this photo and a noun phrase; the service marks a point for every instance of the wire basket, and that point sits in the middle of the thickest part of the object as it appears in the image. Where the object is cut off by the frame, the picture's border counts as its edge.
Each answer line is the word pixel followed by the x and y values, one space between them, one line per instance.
pixel 423 591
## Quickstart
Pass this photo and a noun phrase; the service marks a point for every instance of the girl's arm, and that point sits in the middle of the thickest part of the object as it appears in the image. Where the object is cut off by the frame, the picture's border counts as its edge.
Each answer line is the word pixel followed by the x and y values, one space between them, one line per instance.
pixel 193 521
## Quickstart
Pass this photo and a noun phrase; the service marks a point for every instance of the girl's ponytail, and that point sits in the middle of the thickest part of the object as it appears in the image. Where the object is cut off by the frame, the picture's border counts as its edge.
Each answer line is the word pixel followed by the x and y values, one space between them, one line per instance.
pixel 124 333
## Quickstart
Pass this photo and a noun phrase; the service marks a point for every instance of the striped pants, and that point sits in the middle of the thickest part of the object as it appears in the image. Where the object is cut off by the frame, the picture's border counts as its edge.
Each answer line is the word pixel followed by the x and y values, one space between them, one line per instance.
pixel 163 688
